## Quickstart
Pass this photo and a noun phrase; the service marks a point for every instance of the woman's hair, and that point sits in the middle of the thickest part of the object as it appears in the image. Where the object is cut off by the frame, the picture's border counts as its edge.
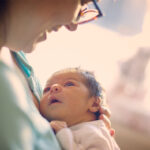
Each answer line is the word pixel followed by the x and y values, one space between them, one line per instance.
pixel 3 11
pixel 3 8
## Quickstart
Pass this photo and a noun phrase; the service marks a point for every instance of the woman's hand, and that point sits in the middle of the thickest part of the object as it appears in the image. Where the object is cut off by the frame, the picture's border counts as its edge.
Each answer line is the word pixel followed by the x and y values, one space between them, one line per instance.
pixel 58 125
pixel 105 115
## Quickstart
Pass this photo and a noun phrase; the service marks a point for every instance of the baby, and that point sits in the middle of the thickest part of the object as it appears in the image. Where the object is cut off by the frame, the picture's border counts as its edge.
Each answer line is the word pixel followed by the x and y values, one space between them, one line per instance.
pixel 71 101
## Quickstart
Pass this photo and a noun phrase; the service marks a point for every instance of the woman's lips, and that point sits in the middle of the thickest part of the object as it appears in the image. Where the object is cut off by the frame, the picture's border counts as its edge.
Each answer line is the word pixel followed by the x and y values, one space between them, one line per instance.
pixel 72 26
pixel 56 28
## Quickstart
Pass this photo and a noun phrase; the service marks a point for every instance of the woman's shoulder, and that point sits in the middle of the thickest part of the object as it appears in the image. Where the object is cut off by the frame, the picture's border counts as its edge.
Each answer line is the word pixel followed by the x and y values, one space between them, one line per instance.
pixel 4 71
pixel 7 73
pixel 3 66
pixel 10 82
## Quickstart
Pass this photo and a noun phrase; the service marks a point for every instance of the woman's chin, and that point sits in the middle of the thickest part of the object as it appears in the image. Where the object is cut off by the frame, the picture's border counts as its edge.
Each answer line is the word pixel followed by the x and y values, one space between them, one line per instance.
pixel 29 48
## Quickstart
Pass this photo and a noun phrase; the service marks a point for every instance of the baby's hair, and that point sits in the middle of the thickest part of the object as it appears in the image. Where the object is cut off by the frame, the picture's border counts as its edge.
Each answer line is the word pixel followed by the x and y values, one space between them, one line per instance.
pixel 93 85
pixel 89 79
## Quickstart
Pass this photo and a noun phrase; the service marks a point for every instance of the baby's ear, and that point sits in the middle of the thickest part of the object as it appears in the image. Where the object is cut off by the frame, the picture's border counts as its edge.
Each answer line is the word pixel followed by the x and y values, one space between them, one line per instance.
pixel 94 104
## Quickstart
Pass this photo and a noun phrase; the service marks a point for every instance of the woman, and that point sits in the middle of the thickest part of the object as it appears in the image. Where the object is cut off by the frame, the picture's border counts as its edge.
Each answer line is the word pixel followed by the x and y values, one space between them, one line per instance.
pixel 23 24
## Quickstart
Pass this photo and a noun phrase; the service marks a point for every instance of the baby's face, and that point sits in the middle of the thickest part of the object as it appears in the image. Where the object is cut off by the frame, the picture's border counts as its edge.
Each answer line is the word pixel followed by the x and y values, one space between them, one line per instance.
pixel 65 97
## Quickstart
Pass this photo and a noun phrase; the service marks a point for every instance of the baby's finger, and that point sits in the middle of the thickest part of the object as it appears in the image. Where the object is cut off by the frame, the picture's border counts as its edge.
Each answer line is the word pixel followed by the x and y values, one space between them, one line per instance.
pixel 112 132
pixel 105 110
pixel 53 124
pixel 106 121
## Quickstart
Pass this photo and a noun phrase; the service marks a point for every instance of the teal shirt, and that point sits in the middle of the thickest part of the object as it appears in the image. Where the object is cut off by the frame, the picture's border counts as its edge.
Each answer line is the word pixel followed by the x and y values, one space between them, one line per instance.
pixel 21 125
pixel 28 72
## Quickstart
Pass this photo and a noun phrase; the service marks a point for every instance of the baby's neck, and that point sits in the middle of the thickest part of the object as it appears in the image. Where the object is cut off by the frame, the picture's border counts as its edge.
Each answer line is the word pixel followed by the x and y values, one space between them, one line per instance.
pixel 73 122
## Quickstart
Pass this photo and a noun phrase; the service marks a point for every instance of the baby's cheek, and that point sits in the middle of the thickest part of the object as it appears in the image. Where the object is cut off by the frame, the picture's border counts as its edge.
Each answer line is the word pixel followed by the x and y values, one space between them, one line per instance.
pixel 42 105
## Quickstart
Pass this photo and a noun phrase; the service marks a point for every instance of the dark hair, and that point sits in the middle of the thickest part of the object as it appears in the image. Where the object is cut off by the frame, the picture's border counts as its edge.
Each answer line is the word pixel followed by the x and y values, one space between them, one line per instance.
pixel 93 85
pixel 3 8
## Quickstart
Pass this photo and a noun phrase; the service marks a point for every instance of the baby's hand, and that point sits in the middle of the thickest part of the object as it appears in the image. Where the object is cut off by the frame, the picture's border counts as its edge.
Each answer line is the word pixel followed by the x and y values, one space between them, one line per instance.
pixel 58 125
pixel 105 115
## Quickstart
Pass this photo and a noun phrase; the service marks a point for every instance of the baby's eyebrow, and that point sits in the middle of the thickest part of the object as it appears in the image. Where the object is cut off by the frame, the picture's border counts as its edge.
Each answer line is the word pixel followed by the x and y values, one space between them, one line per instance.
pixel 49 84
pixel 72 79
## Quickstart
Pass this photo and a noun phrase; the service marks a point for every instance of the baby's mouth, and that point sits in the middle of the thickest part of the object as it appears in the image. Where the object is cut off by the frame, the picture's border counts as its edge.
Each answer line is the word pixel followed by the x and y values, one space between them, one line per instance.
pixel 53 101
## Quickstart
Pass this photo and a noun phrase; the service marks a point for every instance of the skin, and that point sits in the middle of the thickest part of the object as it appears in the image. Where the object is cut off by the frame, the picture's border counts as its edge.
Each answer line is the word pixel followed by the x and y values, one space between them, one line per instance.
pixel 24 22
pixel 31 26
pixel 74 103
pixel 62 118
pixel 23 26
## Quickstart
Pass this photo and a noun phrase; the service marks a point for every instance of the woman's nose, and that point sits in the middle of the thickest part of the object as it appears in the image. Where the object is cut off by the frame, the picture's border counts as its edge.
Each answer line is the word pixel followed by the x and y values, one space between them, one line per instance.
pixel 55 88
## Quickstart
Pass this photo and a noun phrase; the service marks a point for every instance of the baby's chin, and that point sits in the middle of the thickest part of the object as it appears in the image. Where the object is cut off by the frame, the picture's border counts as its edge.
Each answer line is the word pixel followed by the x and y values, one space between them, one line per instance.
pixel 54 117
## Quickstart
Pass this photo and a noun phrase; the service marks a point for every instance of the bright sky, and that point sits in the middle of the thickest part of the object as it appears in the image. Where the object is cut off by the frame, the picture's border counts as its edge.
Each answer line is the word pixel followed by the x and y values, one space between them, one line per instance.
pixel 91 47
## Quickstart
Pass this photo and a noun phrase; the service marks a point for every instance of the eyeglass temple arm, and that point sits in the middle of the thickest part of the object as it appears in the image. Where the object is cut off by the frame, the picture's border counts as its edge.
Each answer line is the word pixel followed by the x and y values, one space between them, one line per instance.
pixel 97 7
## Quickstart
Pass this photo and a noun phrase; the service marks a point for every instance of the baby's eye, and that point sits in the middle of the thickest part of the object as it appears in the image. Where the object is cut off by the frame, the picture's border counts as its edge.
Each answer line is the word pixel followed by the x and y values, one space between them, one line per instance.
pixel 46 90
pixel 69 84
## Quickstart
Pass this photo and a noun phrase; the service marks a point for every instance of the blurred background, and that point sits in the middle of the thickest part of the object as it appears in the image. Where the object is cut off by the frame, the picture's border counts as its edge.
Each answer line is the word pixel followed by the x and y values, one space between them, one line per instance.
pixel 117 49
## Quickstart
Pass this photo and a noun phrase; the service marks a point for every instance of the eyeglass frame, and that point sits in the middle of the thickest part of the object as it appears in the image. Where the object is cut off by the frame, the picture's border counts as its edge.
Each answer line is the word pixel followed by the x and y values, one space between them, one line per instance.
pixel 100 14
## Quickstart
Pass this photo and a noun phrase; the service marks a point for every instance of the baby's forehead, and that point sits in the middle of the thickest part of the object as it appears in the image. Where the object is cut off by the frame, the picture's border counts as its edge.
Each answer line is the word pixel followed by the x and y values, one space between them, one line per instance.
pixel 65 75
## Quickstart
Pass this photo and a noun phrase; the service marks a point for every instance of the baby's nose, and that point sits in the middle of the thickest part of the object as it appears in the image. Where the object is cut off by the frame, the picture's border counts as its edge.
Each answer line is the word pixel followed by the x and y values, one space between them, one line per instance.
pixel 55 88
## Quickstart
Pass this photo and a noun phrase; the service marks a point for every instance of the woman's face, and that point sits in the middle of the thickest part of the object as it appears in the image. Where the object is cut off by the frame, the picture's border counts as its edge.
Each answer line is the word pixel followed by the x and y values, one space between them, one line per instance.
pixel 30 20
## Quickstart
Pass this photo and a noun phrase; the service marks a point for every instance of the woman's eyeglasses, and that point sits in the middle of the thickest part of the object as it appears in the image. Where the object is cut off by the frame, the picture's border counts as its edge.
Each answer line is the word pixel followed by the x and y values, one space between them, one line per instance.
pixel 89 13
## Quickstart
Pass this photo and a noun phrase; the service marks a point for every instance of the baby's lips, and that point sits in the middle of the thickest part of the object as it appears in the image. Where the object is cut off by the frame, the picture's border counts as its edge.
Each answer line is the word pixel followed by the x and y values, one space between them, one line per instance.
pixel 53 99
